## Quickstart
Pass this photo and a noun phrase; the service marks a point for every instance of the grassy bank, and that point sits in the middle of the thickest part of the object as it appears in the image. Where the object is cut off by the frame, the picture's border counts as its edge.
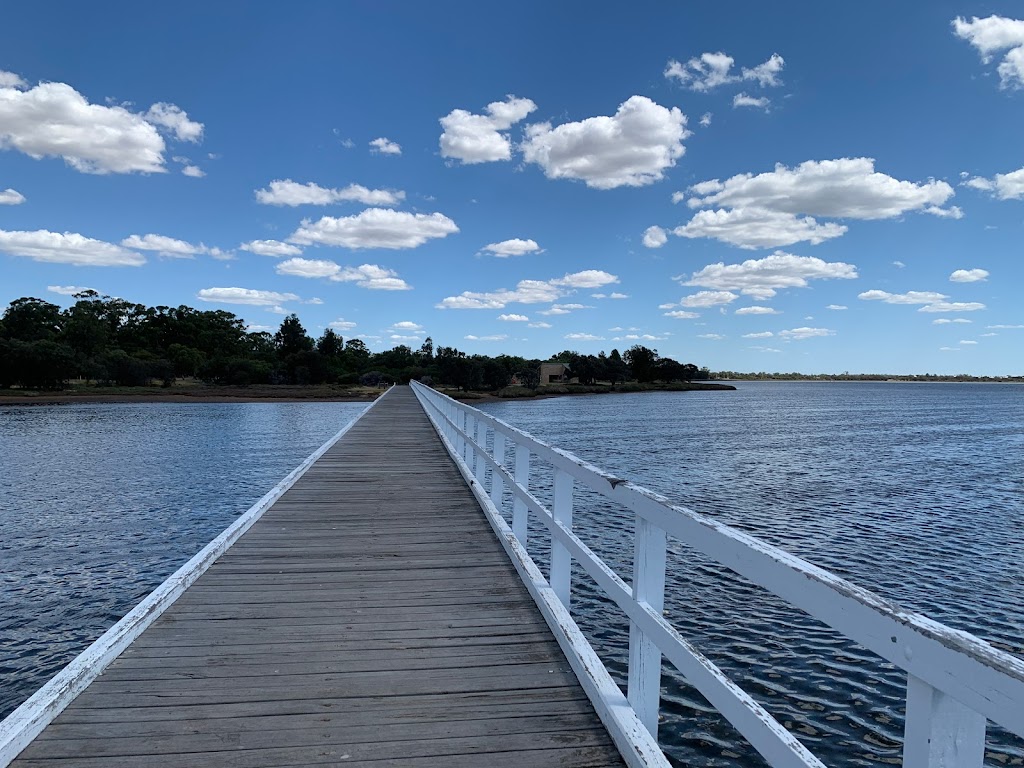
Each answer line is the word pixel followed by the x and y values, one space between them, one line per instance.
pixel 190 391
pixel 558 390
pixel 187 391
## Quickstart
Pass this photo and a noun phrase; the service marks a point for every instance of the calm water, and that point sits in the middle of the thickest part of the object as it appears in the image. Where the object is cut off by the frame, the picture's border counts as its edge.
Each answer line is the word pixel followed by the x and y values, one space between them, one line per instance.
pixel 916 491
pixel 100 503
pixel 913 490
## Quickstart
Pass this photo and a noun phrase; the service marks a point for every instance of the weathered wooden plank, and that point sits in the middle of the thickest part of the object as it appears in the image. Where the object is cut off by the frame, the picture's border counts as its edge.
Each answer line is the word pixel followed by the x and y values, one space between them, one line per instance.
pixel 579 749
pixel 369 617
pixel 461 706
pixel 328 731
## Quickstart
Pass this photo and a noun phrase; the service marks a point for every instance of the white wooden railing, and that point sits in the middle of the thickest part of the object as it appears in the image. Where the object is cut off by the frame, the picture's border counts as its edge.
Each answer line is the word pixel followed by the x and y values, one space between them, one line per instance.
pixel 956 682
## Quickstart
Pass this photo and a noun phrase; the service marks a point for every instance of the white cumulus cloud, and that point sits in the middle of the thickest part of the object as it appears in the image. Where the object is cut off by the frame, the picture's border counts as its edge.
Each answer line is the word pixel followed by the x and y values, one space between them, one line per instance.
pixel 194 171
pixel 797 334
pixel 67 290
pixel 1003 186
pixel 249 296
pixel 743 100
pixel 67 248
pixel 530 291
pixel 655 237
pixel 342 324
pixel 513 247
pixel 761 335
pixel 375 228
pixel 910 297
pixel 165 246
pixel 270 248
pixel 484 138
pixel 761 278
pixel 757 309
pixel 370 276
pixel 953 306
pixel 11 197
pixel 947 321
pixel 513 318
pixel 842 188
pixel 174 120
pixel 968 275
pixel 583 337
pixel 679 314
pixel 55 120
pixel 385 146
pixel 634 147
pixel 993 35
pixel 752 228
pixel 708 299
pixel 711 70
pixel 291 193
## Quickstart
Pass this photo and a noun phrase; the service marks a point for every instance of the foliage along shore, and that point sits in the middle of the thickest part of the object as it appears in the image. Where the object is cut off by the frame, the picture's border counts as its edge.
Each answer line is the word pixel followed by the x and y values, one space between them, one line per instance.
pixel 113 347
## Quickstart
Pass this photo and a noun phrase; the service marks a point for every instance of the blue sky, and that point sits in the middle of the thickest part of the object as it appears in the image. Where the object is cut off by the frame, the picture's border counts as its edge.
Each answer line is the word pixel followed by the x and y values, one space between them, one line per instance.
pixel 786 186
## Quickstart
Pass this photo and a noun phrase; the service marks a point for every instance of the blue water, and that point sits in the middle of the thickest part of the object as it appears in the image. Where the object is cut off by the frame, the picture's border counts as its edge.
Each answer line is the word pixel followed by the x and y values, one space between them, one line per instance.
pixel 100 503
pixel 915 491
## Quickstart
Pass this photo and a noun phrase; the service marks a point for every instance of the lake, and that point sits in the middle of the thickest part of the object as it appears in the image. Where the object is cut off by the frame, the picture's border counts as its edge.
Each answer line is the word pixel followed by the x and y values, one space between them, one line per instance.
pixel 913 490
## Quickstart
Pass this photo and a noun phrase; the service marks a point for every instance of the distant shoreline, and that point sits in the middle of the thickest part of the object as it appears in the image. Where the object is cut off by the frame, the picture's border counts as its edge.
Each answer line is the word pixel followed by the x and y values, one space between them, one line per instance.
pixel 285 393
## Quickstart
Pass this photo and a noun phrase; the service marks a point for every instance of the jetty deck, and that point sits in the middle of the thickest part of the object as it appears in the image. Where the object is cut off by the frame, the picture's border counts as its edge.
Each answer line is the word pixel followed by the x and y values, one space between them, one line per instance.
pixel 369 617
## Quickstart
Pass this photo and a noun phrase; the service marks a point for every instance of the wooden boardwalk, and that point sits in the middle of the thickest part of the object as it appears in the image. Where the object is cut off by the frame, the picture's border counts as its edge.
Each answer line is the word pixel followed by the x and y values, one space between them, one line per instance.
pixel 370 617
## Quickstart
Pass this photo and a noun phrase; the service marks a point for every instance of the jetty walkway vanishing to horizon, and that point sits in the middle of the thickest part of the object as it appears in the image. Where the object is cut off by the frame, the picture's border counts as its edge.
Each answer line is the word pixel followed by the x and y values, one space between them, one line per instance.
pixel 376 608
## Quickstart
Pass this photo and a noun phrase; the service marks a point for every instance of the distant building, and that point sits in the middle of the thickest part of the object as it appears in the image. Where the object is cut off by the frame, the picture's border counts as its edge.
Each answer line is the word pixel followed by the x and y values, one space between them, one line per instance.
pixel 556 373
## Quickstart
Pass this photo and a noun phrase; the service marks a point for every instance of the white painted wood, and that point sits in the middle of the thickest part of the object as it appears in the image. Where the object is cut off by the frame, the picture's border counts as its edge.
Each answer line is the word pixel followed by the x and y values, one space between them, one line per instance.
pixel 470 440
pixel 940 732
pixel 26 722
pixel 644 691
pixel 481 446
pixel 561 562
pixel 634 742
pixel 520 516
pixel 497 481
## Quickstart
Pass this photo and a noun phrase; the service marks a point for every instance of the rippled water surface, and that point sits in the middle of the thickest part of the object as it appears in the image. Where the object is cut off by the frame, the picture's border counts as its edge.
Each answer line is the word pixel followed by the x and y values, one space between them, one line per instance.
pixel 100 503
pixel 915 491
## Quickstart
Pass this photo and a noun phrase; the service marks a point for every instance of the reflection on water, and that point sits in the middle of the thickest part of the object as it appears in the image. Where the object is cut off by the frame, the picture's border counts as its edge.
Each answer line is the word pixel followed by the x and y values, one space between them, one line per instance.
pixel 100 503
pixel 915 491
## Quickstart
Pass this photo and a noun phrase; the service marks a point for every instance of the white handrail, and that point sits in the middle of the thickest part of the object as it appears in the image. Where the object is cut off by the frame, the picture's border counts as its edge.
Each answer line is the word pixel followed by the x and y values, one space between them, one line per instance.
pixel 956 681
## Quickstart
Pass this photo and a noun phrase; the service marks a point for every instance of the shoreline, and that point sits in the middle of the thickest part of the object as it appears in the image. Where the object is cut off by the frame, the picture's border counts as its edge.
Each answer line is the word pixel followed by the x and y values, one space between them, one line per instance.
pixel 286 394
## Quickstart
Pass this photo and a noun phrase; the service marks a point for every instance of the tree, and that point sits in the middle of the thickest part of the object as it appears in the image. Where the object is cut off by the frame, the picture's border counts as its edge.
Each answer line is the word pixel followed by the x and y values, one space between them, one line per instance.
pixel 291 337
pixel 30 319
pixel 642 362
pixel 616 369
pixel 426 352
pixel 330 345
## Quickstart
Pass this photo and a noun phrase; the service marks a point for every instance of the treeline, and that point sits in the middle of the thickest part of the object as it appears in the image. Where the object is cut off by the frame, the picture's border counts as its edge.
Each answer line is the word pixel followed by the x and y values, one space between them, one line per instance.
pixel 111 341
pixel 764 376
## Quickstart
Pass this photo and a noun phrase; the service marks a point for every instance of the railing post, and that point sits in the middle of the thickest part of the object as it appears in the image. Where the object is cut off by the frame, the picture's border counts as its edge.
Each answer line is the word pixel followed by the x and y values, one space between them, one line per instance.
pixel 480 435
pixel 940 731
pixel 561 562
pixel 497 482
pixel 520 514
pixel 644 690
pixel 470 430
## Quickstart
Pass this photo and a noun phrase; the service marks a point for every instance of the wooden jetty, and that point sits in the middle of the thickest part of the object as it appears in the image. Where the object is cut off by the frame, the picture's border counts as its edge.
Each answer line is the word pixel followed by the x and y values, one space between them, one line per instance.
pixel 369 617
pixel 378 608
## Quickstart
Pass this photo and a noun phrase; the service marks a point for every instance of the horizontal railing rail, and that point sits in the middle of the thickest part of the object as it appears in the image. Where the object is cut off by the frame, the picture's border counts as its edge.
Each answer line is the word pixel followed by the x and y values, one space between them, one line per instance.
pixel 956 682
